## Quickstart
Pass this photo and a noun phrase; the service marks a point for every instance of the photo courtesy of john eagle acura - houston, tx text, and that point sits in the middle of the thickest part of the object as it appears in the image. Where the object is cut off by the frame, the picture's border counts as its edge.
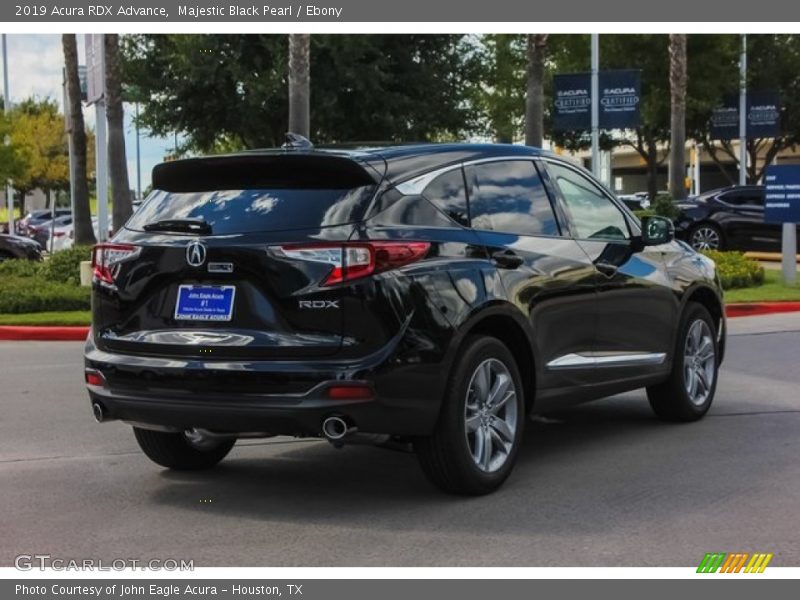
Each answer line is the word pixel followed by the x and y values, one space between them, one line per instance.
pixel 428 296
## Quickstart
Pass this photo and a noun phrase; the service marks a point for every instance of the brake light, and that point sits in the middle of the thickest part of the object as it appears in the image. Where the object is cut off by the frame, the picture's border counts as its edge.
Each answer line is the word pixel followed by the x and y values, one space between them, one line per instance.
pixel 354 260
pixel 106 259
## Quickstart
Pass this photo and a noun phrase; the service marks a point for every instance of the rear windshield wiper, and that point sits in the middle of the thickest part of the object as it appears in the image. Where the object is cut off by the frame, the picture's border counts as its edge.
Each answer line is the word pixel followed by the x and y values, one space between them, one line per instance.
pixel 182 225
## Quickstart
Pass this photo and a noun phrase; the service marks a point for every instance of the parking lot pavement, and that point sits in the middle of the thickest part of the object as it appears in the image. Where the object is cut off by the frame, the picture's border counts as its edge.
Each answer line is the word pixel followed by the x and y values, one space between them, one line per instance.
pixel 604 484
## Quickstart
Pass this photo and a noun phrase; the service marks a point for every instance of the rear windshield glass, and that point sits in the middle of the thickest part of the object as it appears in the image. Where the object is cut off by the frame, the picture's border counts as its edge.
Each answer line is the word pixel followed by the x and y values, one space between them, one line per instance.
pixel 248 211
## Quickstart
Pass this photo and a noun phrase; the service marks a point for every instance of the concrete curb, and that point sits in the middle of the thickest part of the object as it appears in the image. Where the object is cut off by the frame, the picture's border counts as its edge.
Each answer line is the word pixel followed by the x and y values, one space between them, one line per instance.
pixel 752 309
pixel 43 333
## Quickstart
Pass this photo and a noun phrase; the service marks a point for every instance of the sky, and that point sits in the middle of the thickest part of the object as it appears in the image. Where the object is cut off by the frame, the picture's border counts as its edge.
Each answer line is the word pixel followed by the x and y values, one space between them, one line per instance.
pixel 34 69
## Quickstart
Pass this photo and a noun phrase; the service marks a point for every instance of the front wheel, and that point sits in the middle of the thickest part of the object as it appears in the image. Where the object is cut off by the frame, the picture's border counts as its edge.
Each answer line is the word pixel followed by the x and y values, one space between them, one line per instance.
pixel 477 437
pixel 182 451
pixel 689 391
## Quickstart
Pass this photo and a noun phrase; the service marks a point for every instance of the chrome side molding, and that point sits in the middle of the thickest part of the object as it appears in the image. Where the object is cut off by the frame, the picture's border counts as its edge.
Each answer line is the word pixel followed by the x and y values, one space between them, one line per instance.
pixel 591 360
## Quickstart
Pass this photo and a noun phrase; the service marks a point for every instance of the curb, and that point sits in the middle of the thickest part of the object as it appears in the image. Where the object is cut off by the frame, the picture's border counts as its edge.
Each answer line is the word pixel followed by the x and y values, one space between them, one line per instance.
pixel 42 333
pixel 752 309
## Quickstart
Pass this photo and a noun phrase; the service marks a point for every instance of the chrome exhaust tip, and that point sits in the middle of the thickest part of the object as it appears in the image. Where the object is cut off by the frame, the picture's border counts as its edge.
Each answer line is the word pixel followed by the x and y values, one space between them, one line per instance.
pixel 98 412
pixel 336 429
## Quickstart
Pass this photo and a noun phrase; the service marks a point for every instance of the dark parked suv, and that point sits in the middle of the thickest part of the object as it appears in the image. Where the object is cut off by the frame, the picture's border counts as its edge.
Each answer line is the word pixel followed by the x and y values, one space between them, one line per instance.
pixel 427 294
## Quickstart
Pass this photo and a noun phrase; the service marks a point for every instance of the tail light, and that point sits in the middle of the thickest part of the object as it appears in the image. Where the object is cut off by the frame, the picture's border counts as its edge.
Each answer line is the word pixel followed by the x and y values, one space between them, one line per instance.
pixel 106 259
pixel 354 260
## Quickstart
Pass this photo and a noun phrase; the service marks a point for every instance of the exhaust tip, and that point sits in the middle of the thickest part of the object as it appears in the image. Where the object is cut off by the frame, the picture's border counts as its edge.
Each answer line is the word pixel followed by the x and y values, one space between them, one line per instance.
pixel 98 412
pixel 335 428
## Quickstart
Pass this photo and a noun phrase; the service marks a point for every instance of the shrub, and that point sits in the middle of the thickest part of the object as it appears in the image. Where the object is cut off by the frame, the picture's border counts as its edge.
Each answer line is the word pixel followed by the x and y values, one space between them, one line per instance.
pixel 20 267
pixel 37 294
pixel 735 270
pixel 664 206
pixel 64 266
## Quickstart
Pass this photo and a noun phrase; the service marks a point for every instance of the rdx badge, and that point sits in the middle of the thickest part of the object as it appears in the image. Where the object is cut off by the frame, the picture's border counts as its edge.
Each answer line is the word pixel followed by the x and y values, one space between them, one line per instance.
pixel 318 303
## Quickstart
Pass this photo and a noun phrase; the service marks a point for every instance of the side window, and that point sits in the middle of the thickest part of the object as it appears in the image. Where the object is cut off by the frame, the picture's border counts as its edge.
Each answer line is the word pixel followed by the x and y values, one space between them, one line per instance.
pixel 592 213
pixel 509 197
pixel 448 194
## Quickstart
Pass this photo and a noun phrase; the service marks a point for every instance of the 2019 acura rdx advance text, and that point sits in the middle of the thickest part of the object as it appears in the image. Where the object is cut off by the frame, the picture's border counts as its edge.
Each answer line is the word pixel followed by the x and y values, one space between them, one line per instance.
pixel 426 294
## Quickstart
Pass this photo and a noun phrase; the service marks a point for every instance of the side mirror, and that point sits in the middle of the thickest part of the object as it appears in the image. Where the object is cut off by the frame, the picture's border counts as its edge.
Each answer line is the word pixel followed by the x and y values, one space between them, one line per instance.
pixel 657 230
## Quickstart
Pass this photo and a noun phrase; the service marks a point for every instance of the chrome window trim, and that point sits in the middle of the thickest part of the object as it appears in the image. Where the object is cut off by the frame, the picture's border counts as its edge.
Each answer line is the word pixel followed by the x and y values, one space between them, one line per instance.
pixel 416 185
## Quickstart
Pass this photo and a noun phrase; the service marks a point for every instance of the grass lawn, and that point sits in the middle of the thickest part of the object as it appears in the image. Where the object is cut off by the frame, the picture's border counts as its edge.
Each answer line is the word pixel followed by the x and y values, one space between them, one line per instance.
pixel 74 317
pixel 772 290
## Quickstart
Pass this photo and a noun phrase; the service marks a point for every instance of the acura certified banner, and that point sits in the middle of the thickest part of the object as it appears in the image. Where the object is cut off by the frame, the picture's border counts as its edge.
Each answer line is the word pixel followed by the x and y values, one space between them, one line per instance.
pixel 620 96
pixel 763 117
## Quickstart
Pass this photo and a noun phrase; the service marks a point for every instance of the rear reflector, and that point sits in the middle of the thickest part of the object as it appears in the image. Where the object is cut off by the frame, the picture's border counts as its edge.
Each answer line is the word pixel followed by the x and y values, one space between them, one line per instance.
pixel 354 260
pixel 351 391
pixel 95 378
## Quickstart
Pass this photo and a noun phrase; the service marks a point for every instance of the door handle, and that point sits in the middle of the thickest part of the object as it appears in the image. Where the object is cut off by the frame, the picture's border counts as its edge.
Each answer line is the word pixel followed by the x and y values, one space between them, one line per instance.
pixel 506 259
pixel 606 269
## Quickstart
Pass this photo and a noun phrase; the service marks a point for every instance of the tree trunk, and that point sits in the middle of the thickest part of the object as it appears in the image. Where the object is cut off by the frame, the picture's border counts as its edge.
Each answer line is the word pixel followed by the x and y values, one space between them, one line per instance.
pixel 677 87
pixel 84 232
pixel 117 161
pixel 534 95
pixel 299 83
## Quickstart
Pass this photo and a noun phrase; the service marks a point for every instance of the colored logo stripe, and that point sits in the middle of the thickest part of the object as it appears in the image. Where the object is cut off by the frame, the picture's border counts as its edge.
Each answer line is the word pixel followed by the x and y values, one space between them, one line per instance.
pixel 734 562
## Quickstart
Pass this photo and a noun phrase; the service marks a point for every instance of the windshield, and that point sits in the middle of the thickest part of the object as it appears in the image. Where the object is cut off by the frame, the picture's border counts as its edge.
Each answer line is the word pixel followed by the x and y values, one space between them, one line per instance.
pixel 248 211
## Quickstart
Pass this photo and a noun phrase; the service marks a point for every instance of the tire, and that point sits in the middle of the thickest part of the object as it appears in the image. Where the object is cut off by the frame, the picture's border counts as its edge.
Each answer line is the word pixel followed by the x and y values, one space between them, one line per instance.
pixel 706 236
pixel 176 451
pixel 450 457
pixel 687 394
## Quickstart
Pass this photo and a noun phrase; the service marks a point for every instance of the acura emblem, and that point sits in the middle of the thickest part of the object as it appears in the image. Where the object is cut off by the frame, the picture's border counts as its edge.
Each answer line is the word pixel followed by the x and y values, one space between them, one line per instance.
pixel 195 254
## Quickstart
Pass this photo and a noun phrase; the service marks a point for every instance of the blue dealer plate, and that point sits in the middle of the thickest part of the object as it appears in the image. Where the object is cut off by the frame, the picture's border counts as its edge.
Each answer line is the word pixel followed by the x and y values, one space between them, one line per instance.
pixel 205 302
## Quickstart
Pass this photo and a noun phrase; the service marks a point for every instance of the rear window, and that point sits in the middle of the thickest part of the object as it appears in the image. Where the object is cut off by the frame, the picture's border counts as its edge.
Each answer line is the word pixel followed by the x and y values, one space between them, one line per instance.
pixel 248 211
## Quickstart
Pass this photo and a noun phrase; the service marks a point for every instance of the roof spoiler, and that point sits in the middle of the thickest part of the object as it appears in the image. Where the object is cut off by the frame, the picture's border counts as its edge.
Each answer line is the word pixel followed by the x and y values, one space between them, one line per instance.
pixel 294 169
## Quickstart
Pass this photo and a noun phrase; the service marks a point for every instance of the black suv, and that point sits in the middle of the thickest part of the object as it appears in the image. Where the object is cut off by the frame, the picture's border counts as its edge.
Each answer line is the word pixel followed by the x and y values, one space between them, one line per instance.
pixel 428 294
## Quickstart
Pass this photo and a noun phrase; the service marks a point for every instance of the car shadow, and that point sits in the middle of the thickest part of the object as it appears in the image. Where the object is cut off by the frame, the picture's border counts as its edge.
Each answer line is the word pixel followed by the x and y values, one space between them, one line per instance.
pixel 579 469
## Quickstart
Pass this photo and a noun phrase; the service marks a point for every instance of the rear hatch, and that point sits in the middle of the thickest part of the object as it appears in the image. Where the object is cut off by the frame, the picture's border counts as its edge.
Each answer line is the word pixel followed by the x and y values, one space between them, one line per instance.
pixel 208 266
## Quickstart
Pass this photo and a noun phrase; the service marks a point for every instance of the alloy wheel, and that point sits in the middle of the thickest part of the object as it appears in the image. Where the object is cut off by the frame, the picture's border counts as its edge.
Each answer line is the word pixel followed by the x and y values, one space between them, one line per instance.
pixel 699 362
pixel 490 415
pixel 705 238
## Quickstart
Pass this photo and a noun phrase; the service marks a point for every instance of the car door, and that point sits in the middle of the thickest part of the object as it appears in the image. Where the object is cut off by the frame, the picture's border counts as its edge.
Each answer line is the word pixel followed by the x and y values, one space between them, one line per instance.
pixel 544 273
pixel 742 217
pixel 637 310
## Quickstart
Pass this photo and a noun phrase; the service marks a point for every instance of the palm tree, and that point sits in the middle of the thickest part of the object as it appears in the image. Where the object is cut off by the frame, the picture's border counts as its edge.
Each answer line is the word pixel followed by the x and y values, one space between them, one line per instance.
pixel 677 87
pixel 299 83
pixel 534 95
pixel 117 161
pixel 84 232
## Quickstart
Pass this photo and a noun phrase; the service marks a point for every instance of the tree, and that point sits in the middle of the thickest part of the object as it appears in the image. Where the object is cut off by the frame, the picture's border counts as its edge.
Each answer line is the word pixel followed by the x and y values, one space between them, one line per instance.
pixel 773 65
pixel 37 134
pixel 299 83
pixel 534 95
pixel 11 163
pixel 677 86
pixel 229 91
pixel 501 93
pixel 117 162
pixel 84 232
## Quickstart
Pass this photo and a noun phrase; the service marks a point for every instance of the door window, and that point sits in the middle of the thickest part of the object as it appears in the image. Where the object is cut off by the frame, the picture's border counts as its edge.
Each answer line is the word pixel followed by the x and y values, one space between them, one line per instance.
pixel 509 197
pixel 592 213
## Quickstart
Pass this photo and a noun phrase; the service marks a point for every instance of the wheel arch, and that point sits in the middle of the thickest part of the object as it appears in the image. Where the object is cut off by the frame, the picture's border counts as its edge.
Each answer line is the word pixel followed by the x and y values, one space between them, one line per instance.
pixel 711 301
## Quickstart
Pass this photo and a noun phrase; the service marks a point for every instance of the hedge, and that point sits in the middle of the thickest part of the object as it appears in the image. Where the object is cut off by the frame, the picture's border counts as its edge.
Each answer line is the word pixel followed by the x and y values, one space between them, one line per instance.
pixel 736 270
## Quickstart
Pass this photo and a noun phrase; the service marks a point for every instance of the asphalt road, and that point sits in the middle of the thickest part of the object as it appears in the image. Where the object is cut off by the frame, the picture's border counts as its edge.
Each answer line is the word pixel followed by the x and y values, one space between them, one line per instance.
pixel 604 484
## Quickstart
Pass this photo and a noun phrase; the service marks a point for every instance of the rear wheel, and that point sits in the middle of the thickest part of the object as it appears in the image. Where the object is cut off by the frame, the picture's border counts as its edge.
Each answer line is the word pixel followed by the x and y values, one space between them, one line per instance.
pixel 182 451
pixel 477 437
pixel 689 391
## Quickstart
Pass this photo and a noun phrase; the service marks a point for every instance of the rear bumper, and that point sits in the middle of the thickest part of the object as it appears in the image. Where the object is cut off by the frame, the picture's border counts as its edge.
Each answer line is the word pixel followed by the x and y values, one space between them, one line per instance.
pixel 404 402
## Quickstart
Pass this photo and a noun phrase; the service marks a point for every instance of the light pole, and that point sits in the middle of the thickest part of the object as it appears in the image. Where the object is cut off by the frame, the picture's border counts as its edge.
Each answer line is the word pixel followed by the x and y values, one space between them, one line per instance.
pixel 595 105
pixel 743 113
pixel 138 157
pixel 7 110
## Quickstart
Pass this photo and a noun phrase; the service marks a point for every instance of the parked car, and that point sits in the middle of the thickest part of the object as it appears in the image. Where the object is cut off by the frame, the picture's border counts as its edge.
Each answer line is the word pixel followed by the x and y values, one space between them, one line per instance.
pixel 63 231
pixel 636 201
pixel 729 218
pixel 36 218
pixel 428 294
pixel 15 246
